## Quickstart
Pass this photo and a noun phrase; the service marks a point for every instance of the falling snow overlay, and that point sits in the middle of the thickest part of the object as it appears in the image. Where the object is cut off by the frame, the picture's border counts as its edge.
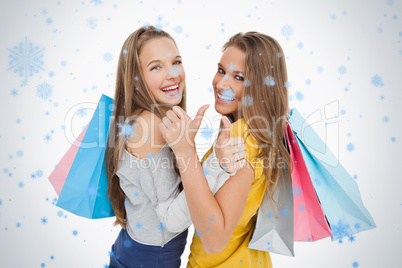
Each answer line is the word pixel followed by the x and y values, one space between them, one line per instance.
pixel 91 23
pixel 44 91
pixel 334 51
pixel 287 31
pixel 206 132
pixel 26 59
pixel 127 130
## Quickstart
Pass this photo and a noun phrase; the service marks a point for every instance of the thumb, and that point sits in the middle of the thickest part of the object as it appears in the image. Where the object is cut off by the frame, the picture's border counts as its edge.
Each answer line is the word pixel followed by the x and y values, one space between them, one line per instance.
pixel 225 134
pixel 198 118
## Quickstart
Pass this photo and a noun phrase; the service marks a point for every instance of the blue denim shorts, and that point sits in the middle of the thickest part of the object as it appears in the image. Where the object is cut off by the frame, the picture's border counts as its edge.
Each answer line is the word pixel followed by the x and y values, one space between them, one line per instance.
pixel 128 253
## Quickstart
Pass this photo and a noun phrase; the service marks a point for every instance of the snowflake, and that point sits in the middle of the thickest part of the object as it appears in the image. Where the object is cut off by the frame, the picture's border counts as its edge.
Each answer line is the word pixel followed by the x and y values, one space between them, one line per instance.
pixel 44 91
pixel 377 81
pixel 285 212
pixel 385 119
pixel 149 155
pixel 287 31
pixel 175 71
pixel 92 191
pixel 159 18
pixel 96 2
pixel 43 220
pixel 161 226
pixel 299 96
pixel 14 92
pixel 247 101
pixel 269 81
pixel 127 130
pixel 231 67
pixel 108 56
pixel 48 137
pixel 246 83
pixel 39 173
pixel 91 23
pixel 206 133
pixel 228 94
pixel 178 29
pixel 342 70
pixel 138 225
pixel 159 27
pixel 297 191
pixel 26 60
pixel 21 184
pixel 111 253
pixel 75 233
pixel 352 239
pixel 82 112
pixel 340 230
pixel 206 172
pixel 43 11
pixel 332 16
pixel 350 147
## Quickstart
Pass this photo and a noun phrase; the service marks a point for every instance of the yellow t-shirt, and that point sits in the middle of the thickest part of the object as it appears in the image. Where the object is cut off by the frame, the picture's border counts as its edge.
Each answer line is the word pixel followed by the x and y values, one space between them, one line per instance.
pixel 236 253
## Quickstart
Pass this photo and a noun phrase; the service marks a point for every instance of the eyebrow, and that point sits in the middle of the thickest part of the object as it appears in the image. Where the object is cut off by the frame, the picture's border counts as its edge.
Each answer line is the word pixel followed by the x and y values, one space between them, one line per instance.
pixel 235 71
pixel 155 61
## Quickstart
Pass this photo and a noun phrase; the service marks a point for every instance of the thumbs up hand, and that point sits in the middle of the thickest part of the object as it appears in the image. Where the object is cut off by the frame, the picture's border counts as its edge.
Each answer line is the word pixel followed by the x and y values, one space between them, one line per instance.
pixel 179 130
pixel 230 151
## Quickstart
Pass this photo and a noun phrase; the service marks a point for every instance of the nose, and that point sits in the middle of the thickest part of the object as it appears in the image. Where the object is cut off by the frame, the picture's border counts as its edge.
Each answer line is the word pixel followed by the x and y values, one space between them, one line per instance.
pixel 222 83
pixel 174 72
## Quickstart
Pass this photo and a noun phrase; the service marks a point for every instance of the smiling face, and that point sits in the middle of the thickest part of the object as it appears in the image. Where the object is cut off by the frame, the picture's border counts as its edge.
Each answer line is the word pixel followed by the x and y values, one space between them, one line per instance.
pixel 162 70
pixel 228 82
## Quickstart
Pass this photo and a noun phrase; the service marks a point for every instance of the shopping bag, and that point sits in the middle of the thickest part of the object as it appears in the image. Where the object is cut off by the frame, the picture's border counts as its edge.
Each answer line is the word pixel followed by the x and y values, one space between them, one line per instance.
pixel 85 189
pixel 336 189
pixel 273 231
pixel 309 219
pixel 59 174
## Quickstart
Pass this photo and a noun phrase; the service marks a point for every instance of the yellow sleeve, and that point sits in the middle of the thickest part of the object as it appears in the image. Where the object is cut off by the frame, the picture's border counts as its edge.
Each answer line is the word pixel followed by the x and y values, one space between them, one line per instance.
pixel 240 129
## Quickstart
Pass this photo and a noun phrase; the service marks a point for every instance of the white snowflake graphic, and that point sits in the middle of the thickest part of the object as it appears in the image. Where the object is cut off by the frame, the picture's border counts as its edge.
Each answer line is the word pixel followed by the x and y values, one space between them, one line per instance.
pixel 96 2
pixel 26 59
pixel 91 23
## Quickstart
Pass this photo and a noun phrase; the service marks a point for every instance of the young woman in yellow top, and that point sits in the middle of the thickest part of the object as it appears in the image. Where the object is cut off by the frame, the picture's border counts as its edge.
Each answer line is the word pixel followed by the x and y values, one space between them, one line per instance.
pixel 250 89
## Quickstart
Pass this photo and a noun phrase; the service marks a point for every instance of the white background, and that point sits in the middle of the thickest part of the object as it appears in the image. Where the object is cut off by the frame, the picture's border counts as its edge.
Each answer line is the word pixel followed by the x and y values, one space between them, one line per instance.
pixel 361 37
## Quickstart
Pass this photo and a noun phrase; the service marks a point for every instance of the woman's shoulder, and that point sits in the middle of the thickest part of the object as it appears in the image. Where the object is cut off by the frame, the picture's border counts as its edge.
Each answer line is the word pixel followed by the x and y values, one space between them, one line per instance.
pixel 240 129
pixel 144 137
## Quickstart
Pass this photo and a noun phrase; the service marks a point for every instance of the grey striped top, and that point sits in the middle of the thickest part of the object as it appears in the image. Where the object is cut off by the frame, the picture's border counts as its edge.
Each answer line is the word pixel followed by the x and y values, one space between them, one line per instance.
pixel 156 209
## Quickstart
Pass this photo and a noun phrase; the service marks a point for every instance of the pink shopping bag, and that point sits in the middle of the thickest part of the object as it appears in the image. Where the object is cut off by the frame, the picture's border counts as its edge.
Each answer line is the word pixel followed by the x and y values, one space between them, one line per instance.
pixel 59 174
pixel 310 223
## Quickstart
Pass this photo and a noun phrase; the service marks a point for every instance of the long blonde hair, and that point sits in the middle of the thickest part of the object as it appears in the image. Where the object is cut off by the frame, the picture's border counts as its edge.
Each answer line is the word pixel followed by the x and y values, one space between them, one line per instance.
pixel 265 102
pixel 132 97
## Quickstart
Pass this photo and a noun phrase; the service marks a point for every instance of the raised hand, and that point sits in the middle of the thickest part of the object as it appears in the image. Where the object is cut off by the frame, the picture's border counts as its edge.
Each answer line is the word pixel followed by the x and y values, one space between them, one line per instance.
pixel 179 130
pixel 230 151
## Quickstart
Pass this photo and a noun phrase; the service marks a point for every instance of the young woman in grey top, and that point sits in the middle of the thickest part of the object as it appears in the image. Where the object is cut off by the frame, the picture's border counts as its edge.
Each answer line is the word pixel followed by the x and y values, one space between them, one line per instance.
pixel 144 185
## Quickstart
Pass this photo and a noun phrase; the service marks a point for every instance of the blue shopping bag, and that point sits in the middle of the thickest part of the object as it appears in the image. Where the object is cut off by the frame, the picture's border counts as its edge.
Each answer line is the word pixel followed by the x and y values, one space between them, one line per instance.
pixel 336 189
pixel 84 192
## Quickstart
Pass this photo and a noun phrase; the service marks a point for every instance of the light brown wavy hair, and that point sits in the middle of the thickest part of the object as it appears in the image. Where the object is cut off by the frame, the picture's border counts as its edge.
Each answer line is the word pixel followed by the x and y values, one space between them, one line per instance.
pixel 132 97
pixel 266 117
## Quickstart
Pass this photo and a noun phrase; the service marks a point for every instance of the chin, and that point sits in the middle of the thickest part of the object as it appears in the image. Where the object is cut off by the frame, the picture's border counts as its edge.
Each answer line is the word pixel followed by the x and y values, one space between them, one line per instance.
pixel 222 110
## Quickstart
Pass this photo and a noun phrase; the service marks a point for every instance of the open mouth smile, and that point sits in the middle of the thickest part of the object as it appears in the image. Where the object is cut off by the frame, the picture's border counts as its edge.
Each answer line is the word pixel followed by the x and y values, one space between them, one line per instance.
pixel 224 99
pixel 171 90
